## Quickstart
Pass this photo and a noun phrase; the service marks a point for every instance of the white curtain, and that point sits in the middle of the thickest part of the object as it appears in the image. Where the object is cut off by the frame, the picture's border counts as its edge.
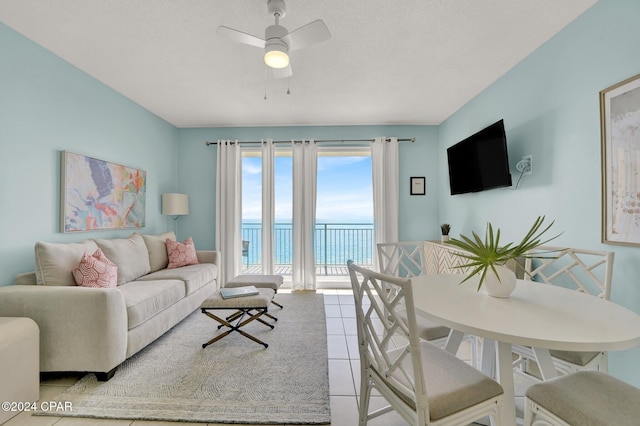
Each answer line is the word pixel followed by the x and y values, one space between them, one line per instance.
pixel 305 165
pixel 229 208
pixel 268 205
pixel 384 164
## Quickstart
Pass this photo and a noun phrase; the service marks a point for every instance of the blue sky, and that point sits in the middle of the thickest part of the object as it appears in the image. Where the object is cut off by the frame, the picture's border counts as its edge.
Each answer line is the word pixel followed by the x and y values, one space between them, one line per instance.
pixel 344 189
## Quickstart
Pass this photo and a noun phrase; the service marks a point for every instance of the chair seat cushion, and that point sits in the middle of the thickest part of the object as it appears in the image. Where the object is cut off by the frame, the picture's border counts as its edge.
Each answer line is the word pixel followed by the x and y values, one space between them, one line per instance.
pixel 588 398
pixel 262 300
pixel 452 384
pixel 577 358
pixel 427 329
pixel 259 281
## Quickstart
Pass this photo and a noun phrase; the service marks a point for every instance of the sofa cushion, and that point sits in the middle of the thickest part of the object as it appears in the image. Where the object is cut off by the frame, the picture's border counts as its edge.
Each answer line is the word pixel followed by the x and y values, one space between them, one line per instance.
pixel 181 254
pixel 144 299
pixel 55 261
pixel 194 276
pixel 130 254
pixel 96 270
pixel 157 247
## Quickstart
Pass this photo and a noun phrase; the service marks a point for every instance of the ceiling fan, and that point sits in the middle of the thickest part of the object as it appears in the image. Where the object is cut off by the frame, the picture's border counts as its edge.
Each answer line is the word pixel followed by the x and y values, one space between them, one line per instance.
pixel 278 42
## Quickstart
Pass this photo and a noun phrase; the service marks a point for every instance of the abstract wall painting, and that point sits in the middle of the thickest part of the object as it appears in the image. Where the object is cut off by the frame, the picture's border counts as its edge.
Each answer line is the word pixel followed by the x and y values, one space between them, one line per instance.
pixel 99 195
pixel 620 132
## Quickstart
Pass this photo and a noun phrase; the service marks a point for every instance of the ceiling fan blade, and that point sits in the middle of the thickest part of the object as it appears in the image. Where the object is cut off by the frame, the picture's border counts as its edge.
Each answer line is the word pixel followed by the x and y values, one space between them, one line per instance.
pixel 282 72
pixel 313 32
pixel 240 37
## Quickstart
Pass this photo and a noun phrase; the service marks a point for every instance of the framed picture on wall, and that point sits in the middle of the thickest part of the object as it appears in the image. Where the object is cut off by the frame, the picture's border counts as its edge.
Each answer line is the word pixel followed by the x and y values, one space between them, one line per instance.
pixel 620 134
pixel 99 195
pixel 418 186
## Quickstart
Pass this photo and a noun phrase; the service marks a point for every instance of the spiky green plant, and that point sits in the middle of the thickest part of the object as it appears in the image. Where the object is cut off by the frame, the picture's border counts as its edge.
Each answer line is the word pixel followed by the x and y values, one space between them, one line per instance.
pixel 445 228
pixel 484 255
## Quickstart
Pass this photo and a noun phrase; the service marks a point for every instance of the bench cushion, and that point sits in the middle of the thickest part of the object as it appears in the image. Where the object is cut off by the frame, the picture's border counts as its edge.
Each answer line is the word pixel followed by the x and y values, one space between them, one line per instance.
pixel 259 281
pixel 262 300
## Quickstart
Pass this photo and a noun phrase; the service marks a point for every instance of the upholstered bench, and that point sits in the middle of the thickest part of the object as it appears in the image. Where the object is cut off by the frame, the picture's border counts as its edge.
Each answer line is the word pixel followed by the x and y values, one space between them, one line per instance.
pixel 259 281
pixel 248 309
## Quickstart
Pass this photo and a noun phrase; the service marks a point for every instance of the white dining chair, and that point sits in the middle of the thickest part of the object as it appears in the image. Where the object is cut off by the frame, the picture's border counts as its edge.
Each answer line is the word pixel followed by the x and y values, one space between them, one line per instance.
pixel 585 398
pixel 441 258
pixel 420 381
pixel 586 271
pixel 413 258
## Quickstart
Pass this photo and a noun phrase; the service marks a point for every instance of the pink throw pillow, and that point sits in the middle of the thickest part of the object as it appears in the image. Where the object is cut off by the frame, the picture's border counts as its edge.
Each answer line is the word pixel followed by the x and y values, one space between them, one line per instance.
pixel 96 271
pixel 181 254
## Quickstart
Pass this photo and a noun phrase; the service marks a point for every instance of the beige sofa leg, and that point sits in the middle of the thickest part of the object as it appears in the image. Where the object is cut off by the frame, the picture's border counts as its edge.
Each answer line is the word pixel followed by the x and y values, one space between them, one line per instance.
pixel 103 377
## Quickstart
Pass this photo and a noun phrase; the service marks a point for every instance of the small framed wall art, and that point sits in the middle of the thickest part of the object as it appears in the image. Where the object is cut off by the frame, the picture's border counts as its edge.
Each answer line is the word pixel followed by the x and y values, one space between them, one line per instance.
pixel 99 195
pixel 619 128
pixel 418 186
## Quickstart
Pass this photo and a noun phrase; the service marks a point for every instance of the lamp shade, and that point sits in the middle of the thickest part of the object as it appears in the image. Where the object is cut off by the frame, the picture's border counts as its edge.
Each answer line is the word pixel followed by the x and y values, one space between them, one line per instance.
pixel 175 204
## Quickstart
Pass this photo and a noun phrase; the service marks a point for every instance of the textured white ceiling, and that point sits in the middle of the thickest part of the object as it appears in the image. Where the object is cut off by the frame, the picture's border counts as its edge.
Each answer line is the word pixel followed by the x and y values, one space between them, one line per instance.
pixel 388 62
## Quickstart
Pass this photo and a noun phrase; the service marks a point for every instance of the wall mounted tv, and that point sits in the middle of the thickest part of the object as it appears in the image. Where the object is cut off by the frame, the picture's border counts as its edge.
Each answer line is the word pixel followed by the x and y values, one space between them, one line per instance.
pixel 480 162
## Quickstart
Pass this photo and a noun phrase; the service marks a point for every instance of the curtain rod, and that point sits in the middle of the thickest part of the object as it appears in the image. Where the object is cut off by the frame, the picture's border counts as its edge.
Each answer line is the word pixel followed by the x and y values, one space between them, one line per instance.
pixel 321 140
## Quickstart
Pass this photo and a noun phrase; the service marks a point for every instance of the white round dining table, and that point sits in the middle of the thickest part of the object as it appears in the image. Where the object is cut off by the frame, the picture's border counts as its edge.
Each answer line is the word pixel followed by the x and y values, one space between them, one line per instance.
pixel 538 315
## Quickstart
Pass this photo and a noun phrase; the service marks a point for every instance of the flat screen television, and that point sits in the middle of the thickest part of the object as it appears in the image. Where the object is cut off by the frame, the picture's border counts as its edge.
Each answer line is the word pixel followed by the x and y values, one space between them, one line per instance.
pixel 480 162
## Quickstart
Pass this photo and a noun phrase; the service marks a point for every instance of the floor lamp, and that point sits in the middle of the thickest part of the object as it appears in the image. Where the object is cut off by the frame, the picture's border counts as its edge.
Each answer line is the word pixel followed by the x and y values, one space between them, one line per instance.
pixel 175 205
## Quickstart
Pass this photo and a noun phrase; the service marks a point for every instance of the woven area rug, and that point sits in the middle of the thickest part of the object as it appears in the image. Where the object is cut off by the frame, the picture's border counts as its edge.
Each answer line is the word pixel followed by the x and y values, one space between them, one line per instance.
pixel 234 380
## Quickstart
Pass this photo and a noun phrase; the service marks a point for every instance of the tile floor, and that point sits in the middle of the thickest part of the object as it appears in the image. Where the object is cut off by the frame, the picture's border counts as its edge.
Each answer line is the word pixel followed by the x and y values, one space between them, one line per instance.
pixel 344 376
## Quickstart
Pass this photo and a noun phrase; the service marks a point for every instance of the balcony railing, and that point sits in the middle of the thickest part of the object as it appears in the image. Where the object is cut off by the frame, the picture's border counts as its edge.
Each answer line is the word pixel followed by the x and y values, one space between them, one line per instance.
pixel 334 244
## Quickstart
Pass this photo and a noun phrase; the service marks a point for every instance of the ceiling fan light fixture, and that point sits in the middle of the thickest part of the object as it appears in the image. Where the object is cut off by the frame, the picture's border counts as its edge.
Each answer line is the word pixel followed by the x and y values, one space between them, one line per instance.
pixel 275 56
pixel 278 41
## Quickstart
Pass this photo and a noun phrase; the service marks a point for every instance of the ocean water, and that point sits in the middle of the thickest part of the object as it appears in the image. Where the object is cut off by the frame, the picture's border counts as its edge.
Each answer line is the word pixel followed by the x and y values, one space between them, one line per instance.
pixel 334 243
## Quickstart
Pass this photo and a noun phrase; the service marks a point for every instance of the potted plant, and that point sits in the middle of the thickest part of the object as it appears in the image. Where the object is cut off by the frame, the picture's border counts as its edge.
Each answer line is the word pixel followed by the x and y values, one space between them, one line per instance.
pixel 487 257
pixel 445 228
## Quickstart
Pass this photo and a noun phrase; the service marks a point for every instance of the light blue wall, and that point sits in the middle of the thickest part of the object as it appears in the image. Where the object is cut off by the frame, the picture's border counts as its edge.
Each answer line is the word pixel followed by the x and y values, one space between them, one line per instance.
pixel 550 105
pixel 46 106
pixel 418 214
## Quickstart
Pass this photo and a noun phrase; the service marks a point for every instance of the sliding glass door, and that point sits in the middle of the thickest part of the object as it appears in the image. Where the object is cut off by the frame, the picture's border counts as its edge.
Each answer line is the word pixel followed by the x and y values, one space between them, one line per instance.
pixel 344 210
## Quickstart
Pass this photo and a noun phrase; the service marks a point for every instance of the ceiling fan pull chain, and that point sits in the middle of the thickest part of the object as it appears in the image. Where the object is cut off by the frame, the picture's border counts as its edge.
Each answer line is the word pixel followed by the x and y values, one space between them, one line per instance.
pixel 288 83
pixel 265 83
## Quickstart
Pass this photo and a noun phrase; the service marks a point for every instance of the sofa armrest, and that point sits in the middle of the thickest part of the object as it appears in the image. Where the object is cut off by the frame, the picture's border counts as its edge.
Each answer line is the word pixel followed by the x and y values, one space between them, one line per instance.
pixel 210 256
pixel 81 329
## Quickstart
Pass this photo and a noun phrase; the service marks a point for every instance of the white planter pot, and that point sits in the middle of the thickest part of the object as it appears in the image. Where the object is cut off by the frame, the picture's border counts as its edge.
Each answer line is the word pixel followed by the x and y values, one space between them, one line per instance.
pixel 501 285
pixel 444 238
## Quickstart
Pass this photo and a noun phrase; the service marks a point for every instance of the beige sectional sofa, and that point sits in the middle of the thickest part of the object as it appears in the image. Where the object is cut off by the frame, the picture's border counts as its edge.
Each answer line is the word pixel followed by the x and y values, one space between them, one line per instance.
pixel 96 329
